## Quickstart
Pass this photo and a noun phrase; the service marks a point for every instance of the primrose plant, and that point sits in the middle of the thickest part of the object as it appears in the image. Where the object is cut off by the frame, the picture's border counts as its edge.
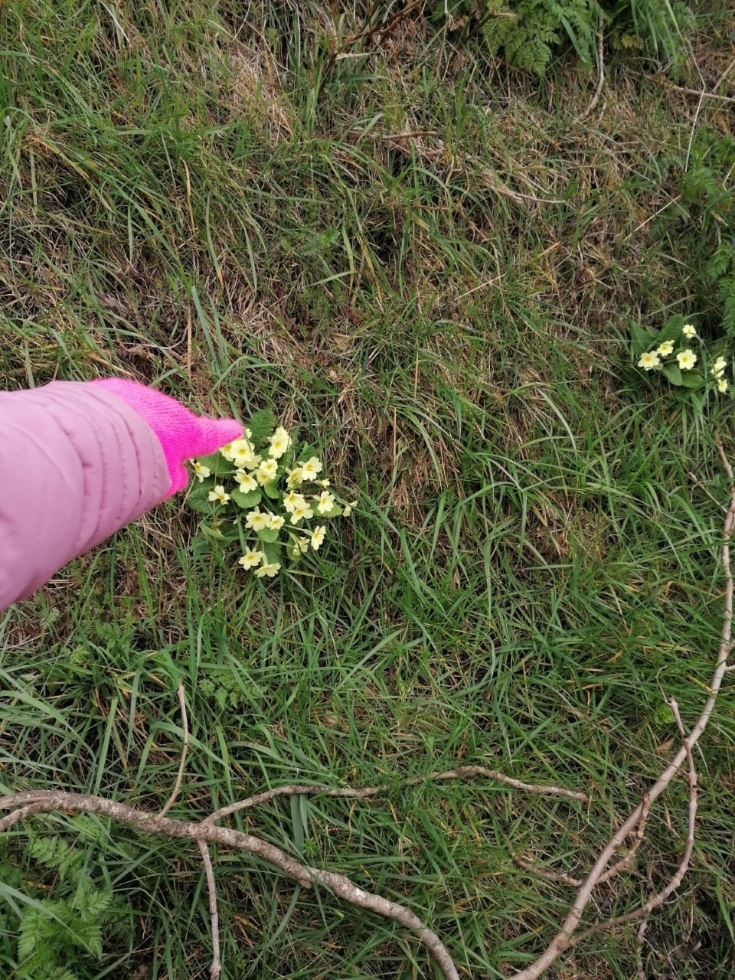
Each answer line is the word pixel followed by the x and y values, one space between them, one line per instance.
pixel 678 353
pixel 262 495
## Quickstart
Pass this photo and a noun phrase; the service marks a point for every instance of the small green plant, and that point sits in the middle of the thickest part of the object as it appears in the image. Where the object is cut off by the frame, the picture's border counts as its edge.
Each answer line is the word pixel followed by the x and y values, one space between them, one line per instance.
pixel 260 493
pixel 670 352
pixel 529 30
pixel 66 914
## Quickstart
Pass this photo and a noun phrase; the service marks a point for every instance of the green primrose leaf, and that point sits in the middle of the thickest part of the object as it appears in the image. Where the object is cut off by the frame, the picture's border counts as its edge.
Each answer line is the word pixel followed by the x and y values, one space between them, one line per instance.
pixel 262 425
pixel 246 500
pixel 334 511
pixel 691 379
pixel 673 373
pixel 268 534
pixel 197 498
pixel 217 463
pixel 271 489
pixel 671 330
pixel 641 339
pixel 272 552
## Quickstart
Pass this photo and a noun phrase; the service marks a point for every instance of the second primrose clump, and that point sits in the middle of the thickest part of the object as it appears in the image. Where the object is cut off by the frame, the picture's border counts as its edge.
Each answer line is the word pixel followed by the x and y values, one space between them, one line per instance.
pixel 260 492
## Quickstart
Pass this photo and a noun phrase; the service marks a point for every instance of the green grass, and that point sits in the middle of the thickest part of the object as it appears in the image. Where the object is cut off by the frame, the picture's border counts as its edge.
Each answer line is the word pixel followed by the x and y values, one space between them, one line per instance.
pixel 217 206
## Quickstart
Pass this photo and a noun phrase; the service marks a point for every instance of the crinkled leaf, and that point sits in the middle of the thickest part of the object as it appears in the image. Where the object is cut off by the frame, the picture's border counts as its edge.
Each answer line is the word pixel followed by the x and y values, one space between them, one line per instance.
pixel 673 373
pixel 246 500
pixel 197 498
pixel 334 511
pixel 691 379
pixel 306 452
pixel 268 534
pixel 641 339
pixel 671 330
pixel 271 489
pixel 217 463
pixel 262 425
pixel 272 552
pixel 664 715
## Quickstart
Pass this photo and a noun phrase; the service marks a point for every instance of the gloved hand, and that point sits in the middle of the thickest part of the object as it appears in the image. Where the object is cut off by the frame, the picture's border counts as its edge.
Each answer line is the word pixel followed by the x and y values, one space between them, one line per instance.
pixel 182 434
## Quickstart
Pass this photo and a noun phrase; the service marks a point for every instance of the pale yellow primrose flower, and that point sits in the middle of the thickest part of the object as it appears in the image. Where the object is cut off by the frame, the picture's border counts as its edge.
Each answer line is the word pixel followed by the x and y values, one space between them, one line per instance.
pixel 688 331
pixel 201 472
pixel 251 558
pixel 303 545
pixel 244 460
pixel 293 500
pixel 317 537
pixel 687 359
pixel 280 441
pixel 301 511
pixel 270 570
pixel 649 361
pixel 218 493
pixel 295 477
pixel 348 508
pixel 722 385
pixel 267 470
pixel 276 522
pixel 247 483
pixel 257 521
pixel 238 447
pixel 311 468
pixel 324 483
pixel 326 500
pixel 718 368
pixel 665 349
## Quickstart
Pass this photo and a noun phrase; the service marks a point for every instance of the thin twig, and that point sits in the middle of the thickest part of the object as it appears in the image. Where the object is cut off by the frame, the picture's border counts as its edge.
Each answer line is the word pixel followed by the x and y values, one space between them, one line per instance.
pixel 703 94
pixel 184 751
pixel 350 793
pixel 215 968
pixel 547 873
pixel 626 861
pixel 657 900
pixel 46 801
pixel 565 938
pixel 600 74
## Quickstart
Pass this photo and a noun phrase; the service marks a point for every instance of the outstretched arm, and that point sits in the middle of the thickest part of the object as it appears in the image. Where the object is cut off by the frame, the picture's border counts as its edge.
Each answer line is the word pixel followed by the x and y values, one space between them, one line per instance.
pixel 78 460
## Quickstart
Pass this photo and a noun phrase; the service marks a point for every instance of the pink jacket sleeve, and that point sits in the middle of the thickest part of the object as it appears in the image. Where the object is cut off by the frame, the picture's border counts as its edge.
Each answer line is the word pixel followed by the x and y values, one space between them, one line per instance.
pixel 76 464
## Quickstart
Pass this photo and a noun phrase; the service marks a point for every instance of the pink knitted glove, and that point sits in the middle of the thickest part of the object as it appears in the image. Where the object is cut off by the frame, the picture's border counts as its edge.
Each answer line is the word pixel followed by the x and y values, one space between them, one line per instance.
pixel 182 434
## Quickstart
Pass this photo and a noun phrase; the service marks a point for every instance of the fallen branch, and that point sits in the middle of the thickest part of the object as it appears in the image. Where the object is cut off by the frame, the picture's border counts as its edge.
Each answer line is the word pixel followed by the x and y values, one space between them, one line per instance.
pixel 565 938
pixel 626 861
pixel 47 801
pixel 215 968
pixel 657 900
pixel 547 873
pixel 350 793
